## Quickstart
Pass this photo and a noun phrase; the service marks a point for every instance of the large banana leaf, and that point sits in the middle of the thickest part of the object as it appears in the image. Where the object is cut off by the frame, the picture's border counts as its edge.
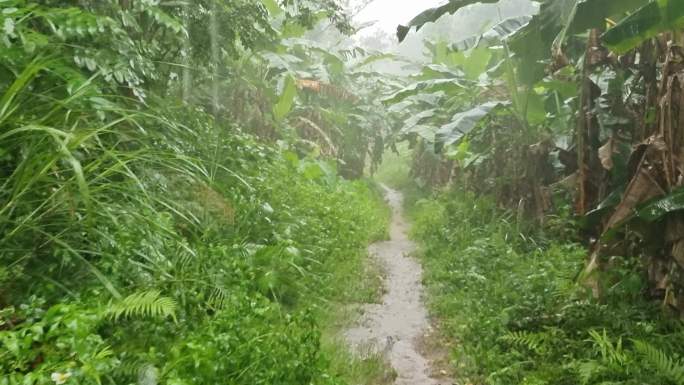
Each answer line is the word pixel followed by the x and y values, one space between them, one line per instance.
pixel 464 122
pixel 286 99
pixel 650 20
pixel 431 15
pixel 416 120
pixel 427 86
pixel 496 34
pixel 532 44
pixel 656 209
pixel 593 13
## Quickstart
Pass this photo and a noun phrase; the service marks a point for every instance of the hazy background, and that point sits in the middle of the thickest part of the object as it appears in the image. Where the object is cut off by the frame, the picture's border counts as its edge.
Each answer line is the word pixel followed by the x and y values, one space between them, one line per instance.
pixel 377 21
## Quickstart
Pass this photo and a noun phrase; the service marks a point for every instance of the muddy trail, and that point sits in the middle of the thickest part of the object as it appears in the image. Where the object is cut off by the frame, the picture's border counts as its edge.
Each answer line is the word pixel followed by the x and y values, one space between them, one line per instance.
pixel 398 327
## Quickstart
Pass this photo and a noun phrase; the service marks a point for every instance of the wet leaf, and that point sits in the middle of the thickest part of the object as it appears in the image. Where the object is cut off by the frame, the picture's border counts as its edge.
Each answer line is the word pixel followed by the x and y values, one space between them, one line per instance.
pixel 432 14
pixel 496 34
pixel 658 208
pixel 427 86
pixel 464 122
pixel 647 22
pixel 286 99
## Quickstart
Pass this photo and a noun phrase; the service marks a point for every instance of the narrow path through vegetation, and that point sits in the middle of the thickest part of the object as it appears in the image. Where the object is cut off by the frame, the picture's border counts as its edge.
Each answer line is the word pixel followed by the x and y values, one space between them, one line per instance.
pixel 397 325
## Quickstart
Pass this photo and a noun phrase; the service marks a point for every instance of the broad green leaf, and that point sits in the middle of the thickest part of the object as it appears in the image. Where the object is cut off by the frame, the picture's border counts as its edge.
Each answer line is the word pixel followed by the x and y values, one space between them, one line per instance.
pixel 425 131
pixel 593 13
pixel 432 14
pixel 535 110
pixel 464 122
pixel 292 29
pixel 436 71
pixel 272 7
pixel 286 99
pixel 441 53
pixel 312 170
pixel 474 62
pixel 500 31
pixel 656 209
pixel 374 58
pixel 654 18
pixel 416 119
pixel 532 43
pixel 428 86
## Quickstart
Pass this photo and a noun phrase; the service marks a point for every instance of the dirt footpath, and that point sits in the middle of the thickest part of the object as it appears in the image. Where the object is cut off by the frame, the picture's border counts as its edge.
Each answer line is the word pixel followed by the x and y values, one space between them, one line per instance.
pixel 396 328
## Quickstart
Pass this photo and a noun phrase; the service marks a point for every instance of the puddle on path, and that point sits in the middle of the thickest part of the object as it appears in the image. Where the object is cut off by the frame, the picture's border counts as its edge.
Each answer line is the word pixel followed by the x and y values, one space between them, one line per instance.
pixel 396 327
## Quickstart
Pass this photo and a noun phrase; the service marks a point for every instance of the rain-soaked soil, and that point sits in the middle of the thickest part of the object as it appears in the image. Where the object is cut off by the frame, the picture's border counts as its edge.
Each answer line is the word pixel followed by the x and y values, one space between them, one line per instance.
pixel 399 326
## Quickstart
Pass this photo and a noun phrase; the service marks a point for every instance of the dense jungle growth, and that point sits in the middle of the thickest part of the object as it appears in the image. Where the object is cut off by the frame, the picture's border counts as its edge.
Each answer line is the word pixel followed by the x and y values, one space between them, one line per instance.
pixel 170 206
pixel 185 194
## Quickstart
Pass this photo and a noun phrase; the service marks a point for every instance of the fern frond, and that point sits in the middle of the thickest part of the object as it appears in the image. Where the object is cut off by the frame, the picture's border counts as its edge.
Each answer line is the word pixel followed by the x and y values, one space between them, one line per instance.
pixel 104 353
pixel 529 340
pixel 217 298
pixel 666 366
pixel 587 370
pixel 611 353
pixel 143 304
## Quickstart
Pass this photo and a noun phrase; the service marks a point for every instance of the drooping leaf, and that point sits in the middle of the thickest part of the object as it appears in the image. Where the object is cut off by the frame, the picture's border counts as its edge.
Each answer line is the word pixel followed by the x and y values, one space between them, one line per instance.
pixel 532 43
pixel 647 22
pixel 593 13
pixel 432 14
pixel 417 119
pixel 656 209
pixel 286 99
pixel 435 71
pixel 496 34
pixel 425 131
pixel 464 122
pixel 374 58
pixel 428 86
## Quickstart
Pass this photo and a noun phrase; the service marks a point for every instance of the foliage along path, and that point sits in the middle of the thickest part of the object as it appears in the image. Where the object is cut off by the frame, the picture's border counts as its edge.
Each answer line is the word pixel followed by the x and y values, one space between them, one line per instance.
pixel 397 325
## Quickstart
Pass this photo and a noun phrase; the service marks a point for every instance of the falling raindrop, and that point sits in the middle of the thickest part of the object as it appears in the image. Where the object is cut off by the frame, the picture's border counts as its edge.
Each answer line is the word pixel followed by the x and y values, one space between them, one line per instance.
pixel 213 31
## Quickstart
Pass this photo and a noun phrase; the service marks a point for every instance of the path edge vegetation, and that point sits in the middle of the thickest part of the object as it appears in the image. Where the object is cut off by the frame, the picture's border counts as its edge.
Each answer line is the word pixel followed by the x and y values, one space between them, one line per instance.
pixel 547 152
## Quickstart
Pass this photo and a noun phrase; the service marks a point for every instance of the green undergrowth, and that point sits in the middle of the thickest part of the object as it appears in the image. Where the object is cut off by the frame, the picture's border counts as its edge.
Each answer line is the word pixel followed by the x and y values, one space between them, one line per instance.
pixel 231 285
pixel 511 304
pixel 150 244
